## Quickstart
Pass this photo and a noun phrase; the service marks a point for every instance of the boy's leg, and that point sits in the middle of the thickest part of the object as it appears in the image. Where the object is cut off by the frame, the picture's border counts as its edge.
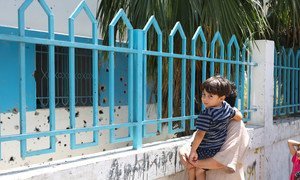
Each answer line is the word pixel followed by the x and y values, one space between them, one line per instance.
pixel 208 163
pixel 200 174
pixel 191 173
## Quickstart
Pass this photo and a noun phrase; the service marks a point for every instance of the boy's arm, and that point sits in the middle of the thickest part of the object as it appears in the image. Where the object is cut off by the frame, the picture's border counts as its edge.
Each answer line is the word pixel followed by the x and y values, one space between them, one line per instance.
pixel 197 140
pixel 238 115
pixel 292 144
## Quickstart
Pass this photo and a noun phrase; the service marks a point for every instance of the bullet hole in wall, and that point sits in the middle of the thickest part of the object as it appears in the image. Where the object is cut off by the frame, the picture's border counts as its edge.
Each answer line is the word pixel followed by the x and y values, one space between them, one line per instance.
pixel 11 159
pixel 77 114
pixel 102 88
pixel 15 111
pixel 36 129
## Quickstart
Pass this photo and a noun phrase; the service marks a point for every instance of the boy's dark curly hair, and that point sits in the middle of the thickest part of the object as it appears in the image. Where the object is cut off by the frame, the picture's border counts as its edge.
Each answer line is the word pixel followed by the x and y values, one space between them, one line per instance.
pixel 217 85
pixel 230 99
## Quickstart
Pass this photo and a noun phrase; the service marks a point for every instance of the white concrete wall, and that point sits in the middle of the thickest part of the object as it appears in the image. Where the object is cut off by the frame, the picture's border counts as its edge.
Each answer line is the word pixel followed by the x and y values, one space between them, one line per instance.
pixel 37 19
pixel 38 121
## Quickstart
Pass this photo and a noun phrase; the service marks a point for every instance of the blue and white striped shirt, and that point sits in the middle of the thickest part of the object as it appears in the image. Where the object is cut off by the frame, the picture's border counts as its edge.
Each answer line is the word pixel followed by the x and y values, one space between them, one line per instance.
pixel 214 121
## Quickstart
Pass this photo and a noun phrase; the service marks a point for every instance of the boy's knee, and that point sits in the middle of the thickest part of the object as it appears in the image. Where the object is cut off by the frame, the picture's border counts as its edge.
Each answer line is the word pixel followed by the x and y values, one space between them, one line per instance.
pixel 190 167
pixel 199 170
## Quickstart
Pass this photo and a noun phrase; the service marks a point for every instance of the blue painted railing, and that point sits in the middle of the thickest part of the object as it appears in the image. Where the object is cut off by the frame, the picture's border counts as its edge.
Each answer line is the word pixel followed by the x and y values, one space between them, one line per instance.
pixel 138 52
pixel 286 82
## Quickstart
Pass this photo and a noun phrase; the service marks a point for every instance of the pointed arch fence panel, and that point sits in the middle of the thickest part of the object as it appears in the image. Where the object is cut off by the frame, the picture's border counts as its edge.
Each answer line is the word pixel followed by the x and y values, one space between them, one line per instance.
pixel 286 82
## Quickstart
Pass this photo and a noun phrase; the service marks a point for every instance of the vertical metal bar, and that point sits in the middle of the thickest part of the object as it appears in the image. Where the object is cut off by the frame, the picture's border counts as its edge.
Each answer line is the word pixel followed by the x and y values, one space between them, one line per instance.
pixel 229 65
pixel 280 101
pixel 159 82
pixel 95 83
pixel 72 83
pixel 21 26
pixel 193 78
pixel 183 82
pixel 222 57
pixel 51 80
pixel 130 81
pixel 204 64
pixel 212 55
pixel 288 93
pixel 111 83
pixel 237 70
pixel 242 75
pixel 292 80
pixel 275 83
pixel 144 112
pixel 138 91
pixel 285 81
pixel 170 85
pixel 249 59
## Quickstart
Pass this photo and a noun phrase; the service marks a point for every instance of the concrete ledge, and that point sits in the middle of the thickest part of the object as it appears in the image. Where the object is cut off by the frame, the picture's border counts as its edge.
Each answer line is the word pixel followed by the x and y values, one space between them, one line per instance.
pixel 155 160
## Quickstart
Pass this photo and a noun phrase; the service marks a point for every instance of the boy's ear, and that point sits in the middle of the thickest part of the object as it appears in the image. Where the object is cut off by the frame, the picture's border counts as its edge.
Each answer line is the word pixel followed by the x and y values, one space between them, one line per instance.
pixel 222 98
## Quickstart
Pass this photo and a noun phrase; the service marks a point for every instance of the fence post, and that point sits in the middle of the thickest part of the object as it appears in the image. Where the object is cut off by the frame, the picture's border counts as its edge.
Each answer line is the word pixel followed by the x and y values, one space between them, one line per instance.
pixel 262 88
pixel 138 88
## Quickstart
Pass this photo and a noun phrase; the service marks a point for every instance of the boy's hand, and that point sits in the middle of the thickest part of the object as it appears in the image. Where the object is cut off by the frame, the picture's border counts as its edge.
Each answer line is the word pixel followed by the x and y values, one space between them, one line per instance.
pixel 193 156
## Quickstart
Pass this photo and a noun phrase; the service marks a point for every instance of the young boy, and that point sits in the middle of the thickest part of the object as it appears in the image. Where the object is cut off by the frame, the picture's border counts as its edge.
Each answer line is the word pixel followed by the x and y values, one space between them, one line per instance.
pixel 294 147
pixel 213 121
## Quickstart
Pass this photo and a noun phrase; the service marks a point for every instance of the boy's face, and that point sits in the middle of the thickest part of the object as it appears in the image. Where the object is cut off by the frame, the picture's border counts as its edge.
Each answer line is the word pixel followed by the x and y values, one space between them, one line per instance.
pixel 211 100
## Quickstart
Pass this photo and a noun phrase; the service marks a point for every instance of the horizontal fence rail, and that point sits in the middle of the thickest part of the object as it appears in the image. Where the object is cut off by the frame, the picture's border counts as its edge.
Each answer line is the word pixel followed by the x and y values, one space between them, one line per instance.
pixel 286 82
pixel 232 61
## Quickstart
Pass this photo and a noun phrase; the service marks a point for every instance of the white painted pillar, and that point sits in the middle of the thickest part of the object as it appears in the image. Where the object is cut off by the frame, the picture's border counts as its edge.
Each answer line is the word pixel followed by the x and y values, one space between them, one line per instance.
pixel 262 88
pixel 262 92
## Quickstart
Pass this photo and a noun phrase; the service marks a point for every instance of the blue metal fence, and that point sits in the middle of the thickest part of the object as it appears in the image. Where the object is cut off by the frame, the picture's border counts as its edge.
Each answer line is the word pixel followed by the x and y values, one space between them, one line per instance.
pixel 236 67
pixel 286 82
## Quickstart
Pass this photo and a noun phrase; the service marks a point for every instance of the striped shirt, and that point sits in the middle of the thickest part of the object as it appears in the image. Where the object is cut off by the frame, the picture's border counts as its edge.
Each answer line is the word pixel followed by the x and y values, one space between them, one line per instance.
pixel 214 122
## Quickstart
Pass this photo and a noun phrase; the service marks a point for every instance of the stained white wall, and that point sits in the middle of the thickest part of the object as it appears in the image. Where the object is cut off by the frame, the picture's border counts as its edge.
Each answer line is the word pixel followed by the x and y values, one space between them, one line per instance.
pixel 38 122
